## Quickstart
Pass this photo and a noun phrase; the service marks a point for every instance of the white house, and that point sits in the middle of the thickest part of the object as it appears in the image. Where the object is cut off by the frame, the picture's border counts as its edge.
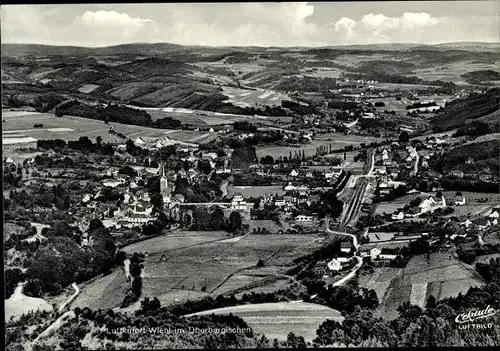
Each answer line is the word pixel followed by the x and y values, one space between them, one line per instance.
pixel 398 216
pixel 139 141
pixel 494 214
pixel 294 173
pixel 302 219
pixel 345 246
pixel 466 223
pixel 375 252
pixel 86 198
pixel 238 203
pixel 460 202
pixel 279 202
pixel 334 265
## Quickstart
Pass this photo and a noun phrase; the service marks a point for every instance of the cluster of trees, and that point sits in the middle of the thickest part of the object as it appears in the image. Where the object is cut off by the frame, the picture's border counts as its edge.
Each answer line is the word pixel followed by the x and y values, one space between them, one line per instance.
pixel 208 303
pixel 245 126
pixel 83 144
pixel 456 112
pixel 485 156
pixel 106 326
pixel 469 255
pixel 204 219
pixel 417 105
pixel 298 109
pixel 50 273
pixel 475 129
pixel 478 77
pixel 204 190
pixel 306 84
pixel 44 197
pixel 243 155
pixel 161 222
pixel 135 280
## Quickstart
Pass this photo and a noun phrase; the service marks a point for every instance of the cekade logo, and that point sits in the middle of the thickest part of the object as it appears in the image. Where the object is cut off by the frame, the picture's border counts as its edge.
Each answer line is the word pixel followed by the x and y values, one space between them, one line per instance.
pixel 473 315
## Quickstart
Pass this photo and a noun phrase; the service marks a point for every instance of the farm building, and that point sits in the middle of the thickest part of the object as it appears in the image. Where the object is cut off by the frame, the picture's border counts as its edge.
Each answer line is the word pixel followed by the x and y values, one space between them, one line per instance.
pixel 238 203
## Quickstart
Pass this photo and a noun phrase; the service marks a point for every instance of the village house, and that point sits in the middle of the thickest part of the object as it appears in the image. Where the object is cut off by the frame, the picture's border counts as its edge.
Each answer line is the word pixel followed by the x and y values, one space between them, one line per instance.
pixel 482 223
pixel 303 219
pixel 398 216
pixel 460 201
pixel 238 203
pixel 279 202
pixel 345 246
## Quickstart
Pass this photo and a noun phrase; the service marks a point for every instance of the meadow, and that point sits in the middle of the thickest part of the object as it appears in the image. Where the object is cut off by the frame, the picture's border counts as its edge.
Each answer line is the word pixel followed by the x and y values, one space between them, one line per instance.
pixel 277 320
pixel 105 292
pixel 18 129
pixel 452 72
pixel 183 265
pixel 255 191
pixel 338 141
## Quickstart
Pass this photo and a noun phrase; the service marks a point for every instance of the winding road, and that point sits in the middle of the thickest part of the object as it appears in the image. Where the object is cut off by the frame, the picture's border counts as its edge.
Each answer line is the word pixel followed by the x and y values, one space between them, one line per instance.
pixel 71 298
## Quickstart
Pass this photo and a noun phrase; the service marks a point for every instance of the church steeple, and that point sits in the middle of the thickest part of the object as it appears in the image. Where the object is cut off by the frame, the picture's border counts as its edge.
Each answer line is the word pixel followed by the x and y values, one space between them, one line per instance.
pixel 164 188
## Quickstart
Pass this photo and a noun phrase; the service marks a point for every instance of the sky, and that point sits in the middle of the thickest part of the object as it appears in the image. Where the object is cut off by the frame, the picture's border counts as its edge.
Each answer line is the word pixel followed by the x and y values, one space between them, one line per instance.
pixel 259 24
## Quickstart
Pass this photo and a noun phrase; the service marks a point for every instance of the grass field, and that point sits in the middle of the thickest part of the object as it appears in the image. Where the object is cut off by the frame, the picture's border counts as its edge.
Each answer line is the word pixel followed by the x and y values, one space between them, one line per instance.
pixel 322 72
pixel 18 304
pixel 277 320
pixel 105 292
pixel 246 98
pixel 201 263
pixel 18 130
pixel 442 276
pixel 337 141
pixel 390 207
pixel 255 191
pixel 452 71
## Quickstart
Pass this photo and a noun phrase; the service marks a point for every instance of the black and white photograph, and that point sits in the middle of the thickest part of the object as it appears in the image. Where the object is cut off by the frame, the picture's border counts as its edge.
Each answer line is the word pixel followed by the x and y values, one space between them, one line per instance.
pixel 249 175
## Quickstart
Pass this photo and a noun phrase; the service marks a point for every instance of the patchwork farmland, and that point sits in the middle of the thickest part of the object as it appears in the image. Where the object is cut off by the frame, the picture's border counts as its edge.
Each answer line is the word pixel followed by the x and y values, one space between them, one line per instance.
pixel 247 98
pixel 442 276
pixel 186 265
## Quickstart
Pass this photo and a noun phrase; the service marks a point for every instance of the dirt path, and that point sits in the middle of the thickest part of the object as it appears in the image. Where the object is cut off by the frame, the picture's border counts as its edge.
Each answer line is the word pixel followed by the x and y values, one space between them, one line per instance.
pixel 71 298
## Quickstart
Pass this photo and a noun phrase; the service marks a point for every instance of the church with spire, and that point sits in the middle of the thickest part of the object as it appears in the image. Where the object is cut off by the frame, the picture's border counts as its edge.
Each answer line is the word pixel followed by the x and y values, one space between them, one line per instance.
pixel 166 189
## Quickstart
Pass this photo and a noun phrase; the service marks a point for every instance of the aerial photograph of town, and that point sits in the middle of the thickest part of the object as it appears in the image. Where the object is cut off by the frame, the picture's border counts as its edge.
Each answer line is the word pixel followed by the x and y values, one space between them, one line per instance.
pixel 251 175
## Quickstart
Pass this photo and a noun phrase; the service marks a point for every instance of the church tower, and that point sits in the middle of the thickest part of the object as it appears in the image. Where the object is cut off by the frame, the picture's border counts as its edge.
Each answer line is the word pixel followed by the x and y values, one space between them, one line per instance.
pixel 165 188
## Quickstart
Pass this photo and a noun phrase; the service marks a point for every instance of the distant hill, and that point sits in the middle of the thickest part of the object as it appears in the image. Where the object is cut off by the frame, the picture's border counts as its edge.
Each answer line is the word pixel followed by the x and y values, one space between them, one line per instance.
pixel 477 77
pixel 49 50
pixel 168 48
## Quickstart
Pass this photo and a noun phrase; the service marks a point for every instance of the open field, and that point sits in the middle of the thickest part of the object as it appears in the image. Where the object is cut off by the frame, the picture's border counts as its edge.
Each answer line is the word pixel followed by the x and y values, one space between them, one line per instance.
pixel 174 240
pixel 88 88
pixel 183 265
pixel 18 304
pixel 442 276
pixel 451 72
pixel 246 97
pixel 337 141
pixel 390 207
pixel 277 320
pixel 105 292
pixel 18 130
pixel 255 191
pixel 322 72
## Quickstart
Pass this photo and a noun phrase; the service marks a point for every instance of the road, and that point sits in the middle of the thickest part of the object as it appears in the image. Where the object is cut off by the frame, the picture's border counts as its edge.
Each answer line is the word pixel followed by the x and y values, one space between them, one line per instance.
pixel 351 274
pixel 329 231
pixel 71 298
